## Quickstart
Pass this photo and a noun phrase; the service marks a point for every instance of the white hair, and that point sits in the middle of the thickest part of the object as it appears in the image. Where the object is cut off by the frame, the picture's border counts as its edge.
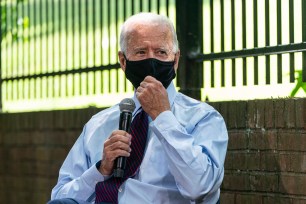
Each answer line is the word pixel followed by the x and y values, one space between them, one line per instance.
pixel 148 18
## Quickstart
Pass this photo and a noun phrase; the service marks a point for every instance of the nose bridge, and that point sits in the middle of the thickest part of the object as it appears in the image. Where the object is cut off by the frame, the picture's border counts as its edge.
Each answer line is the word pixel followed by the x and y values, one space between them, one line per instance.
pixel 150 53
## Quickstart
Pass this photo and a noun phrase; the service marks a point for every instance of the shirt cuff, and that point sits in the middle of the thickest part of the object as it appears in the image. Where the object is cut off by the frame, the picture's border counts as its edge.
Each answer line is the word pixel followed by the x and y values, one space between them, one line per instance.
pixel 92 176
pixel 98 164
pixel 164 121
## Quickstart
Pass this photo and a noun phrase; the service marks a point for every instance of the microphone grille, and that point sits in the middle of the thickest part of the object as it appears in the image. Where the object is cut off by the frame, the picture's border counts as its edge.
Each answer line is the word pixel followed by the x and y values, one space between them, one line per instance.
pixel 127 105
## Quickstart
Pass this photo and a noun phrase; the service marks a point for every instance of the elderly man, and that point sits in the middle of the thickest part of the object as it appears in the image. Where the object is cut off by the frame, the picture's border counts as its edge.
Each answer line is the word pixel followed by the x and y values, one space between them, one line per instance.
pixel 185 139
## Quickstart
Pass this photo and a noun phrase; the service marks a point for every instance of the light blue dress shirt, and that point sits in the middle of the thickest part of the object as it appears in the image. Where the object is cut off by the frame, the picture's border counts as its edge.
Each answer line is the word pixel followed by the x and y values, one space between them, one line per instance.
pixel 183 162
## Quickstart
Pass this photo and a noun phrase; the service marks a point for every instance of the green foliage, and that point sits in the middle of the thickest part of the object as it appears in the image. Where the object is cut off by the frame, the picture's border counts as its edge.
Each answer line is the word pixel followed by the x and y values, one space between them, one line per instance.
pixel 3 21
pixel 299 84
pixel 17 21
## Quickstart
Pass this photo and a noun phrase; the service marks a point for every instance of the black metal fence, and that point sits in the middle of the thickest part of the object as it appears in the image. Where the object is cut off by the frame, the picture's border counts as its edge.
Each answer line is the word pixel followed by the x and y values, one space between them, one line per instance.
pixel 63 53
pixel 287 35
pixel 56 49
pixel 251 49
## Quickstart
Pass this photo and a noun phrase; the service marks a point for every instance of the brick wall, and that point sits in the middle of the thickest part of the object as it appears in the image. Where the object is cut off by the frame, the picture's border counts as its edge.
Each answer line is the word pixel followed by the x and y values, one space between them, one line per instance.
pixel 266 159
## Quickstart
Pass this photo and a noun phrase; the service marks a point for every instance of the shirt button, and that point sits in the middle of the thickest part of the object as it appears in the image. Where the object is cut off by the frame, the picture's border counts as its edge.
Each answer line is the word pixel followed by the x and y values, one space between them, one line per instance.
pixel 120 190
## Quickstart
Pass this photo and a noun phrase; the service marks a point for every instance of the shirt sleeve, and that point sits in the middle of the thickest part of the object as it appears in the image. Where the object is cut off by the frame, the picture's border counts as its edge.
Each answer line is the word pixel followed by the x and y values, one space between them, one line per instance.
pixel 77 177
pixel 195 153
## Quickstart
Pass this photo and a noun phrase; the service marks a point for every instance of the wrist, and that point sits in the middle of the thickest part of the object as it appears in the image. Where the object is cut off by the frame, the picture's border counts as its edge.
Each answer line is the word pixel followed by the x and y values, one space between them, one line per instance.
pixel 100 168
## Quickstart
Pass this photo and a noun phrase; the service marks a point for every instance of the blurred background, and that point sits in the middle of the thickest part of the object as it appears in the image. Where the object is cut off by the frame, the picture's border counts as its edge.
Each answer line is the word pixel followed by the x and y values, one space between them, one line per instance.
pixel 246 58
pixel 62 54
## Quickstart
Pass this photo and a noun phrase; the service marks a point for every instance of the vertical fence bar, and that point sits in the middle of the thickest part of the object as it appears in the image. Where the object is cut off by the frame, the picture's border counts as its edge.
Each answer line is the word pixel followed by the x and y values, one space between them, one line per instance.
pixel 94 31
pixel 190 33
pixel 47 39
pixel 17 44
pixel 1 59
pixel 267 37
pixel 124 18
pixel 73 39
pixel 73 45
pixel 291 37
pixel 16 82
pixel 86 34
pixel 53 47
pixel 244 64
pixel 35 44
pixel 94 44
pixel 80 44
pixel 212 45
pixel 133 7
pixel 117 32
pixel 12 39
pixel 18 55
pixel 30 35
pixel 87 45
pixel 60 51
pixel 42 69
pixel 233 41
pixel 279 41
pixel 66 47
pixel 101 46
pixel 304 39
pixel 255 26
pixel 109 41
pixel 23 39
pixel 67 36
pixel 7 58
pixel 150 5
pixel 47 46
pixel 140 6
pixel 222 43
pixel 167 7
pixel 6 96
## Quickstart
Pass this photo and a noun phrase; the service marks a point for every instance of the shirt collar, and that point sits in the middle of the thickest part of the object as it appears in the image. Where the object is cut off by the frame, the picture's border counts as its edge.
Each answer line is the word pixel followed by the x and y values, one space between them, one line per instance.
pixel 171 96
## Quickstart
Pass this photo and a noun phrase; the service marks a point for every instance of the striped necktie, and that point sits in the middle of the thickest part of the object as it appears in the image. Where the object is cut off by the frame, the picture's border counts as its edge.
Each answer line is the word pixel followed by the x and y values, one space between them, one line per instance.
pixel 107 191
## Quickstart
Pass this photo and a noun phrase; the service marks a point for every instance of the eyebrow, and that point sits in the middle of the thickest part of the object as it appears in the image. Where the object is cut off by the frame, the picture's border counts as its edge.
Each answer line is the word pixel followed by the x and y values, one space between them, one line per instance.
pixel 158 48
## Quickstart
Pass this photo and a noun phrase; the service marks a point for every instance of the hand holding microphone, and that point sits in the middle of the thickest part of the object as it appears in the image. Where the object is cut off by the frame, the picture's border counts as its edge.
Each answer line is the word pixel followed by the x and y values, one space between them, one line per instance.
pixel 117 146
pixel 127 106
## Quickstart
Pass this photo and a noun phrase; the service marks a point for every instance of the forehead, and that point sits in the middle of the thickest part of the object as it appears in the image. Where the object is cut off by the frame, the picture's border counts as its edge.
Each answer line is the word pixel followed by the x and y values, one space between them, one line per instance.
pixel 152 34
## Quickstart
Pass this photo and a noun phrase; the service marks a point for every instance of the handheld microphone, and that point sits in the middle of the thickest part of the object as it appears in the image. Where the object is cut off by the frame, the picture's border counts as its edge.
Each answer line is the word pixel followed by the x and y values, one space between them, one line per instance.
pixel 127 106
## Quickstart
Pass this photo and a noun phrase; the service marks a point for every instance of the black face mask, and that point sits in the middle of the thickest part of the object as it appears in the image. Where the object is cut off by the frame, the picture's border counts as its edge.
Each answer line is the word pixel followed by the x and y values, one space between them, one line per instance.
pixel 136 71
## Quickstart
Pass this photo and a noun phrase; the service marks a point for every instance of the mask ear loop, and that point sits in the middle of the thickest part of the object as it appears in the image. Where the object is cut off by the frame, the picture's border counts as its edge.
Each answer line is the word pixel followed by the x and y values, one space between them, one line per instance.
pixel 124 56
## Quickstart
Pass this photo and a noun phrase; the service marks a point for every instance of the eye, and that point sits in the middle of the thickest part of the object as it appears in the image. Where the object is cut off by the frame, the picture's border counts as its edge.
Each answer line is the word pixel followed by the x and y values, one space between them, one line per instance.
pixel 162 52
pixel 140 52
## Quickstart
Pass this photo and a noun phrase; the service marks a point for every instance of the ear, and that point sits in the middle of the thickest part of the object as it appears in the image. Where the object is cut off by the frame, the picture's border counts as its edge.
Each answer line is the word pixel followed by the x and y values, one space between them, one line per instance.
pixel 122 60
pixel 176 60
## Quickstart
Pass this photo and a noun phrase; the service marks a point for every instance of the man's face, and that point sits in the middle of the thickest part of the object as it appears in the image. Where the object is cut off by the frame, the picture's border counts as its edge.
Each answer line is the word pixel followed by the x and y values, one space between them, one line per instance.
pixel 149 42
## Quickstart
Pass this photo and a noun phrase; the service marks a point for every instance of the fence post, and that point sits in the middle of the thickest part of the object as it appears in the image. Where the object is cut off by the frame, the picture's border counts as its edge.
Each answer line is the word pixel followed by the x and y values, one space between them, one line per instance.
pixel 189 26
pixel 0 58
pixel 304 40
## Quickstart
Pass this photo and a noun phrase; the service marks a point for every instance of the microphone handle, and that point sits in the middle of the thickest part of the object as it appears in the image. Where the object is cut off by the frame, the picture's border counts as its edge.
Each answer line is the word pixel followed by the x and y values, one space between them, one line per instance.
pixel 120 162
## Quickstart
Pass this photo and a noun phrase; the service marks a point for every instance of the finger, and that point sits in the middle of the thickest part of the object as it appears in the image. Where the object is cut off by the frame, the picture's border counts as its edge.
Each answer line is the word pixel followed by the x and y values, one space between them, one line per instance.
pixel 115 136
pixel 112 151
pixel 149 79
pixel 143 84
pixel 120 132
pixel 110 156
pixel 140 89
pixel 120 145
